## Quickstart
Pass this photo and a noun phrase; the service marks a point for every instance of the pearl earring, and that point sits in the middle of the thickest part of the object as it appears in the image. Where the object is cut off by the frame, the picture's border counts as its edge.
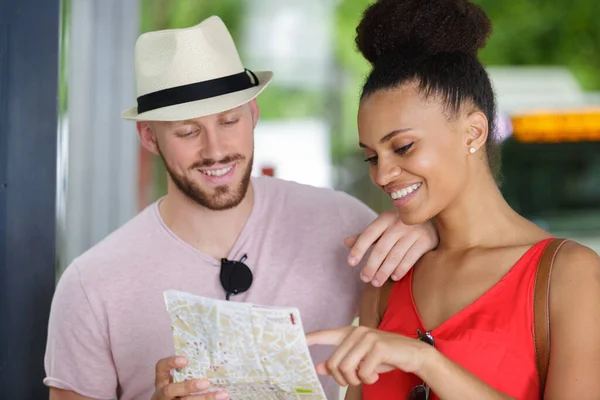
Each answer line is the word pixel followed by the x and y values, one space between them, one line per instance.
pixel 472 150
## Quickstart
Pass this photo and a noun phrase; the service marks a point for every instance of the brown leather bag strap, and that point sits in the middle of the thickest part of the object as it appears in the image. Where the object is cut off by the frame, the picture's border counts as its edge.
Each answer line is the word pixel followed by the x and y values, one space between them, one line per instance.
pixel 541 315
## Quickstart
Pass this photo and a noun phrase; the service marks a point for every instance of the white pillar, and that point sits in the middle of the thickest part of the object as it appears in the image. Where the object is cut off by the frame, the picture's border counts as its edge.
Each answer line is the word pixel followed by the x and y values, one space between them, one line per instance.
pixel 101 164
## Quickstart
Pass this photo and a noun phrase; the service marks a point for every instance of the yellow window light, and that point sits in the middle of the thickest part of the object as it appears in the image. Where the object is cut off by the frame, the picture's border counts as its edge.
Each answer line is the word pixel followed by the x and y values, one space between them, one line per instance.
pixel 557 126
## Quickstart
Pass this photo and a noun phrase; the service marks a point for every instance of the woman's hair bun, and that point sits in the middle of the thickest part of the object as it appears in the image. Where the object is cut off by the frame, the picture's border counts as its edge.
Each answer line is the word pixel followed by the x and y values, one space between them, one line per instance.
pixel 412 28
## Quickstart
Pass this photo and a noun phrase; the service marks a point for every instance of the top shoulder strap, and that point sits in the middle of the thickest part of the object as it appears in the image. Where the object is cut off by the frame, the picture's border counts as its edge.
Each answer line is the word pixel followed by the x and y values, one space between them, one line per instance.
pixel 541 315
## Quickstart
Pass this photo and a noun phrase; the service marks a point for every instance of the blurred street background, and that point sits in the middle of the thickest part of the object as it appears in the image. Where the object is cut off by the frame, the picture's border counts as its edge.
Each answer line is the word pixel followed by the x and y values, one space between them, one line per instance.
pixel 543 57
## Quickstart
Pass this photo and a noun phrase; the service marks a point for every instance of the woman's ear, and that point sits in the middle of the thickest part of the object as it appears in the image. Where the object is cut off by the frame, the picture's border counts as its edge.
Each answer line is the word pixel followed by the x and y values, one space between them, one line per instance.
pixel 476 132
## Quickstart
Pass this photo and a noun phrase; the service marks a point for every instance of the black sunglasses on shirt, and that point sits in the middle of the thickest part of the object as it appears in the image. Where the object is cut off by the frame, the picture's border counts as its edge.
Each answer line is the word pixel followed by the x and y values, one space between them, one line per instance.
pixel 421 392
pixel 236 277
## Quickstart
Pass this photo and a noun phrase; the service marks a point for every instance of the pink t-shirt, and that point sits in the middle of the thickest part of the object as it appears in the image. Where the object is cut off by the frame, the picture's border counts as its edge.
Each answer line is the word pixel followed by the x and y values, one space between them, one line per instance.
pixel 109 325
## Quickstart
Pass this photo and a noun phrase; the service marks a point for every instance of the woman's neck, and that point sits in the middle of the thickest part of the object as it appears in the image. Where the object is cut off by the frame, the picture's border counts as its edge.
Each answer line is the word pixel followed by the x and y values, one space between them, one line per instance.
pixel 478 217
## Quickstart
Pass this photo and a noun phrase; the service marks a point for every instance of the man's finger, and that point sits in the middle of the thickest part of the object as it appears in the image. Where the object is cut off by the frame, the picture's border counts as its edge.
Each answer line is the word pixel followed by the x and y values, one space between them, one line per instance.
pixel 322 369
pixel 331 337
pixel 164 367
pixel 394 259
pixel 218 395
pixel 175 390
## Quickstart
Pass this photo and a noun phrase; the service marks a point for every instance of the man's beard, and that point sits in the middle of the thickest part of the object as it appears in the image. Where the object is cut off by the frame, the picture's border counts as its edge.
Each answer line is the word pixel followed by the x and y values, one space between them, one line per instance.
pixel 225 197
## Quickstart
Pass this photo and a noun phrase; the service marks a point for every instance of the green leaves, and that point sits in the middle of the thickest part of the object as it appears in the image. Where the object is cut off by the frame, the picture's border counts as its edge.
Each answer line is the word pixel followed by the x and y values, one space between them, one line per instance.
pixel 549 32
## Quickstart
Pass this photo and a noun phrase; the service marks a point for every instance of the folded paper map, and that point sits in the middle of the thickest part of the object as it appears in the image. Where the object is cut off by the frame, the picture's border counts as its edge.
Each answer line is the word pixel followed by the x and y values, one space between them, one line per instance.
pixel 253 352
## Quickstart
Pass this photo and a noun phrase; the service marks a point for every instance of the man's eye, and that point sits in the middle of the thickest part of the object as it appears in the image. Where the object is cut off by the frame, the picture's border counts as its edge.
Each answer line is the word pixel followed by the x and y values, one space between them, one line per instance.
pixel 186 134
pixel 231 122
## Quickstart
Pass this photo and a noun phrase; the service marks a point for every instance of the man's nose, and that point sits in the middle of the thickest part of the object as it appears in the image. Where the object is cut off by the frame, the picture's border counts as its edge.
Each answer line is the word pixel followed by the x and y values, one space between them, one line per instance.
pixel 213 146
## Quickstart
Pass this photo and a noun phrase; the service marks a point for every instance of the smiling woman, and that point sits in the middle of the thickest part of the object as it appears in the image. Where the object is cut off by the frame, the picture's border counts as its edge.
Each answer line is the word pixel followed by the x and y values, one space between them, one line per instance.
pixel 459 325
pixel 442 96
pixel 404 162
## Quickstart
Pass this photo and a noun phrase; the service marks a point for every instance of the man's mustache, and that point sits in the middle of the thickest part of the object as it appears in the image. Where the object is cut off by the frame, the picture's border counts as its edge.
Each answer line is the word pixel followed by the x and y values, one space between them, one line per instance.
pixel 209 162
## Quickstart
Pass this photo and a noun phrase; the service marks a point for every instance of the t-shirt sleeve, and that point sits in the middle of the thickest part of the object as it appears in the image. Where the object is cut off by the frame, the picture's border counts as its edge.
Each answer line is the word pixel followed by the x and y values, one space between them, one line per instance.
pixel 78 355
pixel 356 214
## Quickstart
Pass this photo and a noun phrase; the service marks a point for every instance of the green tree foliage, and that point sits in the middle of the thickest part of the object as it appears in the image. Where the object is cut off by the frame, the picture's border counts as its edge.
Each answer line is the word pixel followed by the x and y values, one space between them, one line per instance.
pixel 546 32
pixel 526 32
pixel 169 14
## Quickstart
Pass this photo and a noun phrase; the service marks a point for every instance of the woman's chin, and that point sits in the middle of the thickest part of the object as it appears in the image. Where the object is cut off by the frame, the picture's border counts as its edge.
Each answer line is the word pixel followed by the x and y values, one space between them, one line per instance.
pixel 412 217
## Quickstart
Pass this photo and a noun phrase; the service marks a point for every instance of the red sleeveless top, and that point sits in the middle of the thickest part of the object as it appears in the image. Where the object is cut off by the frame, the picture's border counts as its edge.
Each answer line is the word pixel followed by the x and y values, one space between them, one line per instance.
pixel 491 337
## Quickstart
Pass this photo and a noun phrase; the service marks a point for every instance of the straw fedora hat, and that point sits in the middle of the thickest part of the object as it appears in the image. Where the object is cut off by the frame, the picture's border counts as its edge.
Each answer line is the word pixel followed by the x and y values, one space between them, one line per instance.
pixel 189 73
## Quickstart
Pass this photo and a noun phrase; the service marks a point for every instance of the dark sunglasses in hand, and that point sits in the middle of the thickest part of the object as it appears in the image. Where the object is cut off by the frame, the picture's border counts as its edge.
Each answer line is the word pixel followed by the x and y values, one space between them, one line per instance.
pixel 235 276
pixel 421 392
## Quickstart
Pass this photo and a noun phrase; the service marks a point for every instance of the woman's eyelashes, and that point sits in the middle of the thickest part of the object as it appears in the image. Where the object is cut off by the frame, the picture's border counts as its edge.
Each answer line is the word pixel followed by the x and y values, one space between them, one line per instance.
pixel 400 151
pixel 371 160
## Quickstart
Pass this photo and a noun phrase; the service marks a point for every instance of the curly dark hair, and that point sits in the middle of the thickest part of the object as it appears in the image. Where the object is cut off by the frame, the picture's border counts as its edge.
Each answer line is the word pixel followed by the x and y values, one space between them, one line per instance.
pixel 434 43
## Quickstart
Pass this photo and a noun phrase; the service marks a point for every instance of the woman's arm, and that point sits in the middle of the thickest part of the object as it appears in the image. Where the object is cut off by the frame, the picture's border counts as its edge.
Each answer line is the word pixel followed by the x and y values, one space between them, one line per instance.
pixel 368 316
pixel 450 381
pixel 574 368
pixel 364 353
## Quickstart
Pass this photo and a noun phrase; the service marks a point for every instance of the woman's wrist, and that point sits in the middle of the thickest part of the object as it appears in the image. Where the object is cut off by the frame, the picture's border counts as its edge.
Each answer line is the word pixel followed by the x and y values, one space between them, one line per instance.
pixel 429 358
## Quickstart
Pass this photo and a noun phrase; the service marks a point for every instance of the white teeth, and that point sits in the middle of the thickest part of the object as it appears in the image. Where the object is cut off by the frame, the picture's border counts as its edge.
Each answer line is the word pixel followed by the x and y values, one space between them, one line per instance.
pixel 217 172
pixel 398 194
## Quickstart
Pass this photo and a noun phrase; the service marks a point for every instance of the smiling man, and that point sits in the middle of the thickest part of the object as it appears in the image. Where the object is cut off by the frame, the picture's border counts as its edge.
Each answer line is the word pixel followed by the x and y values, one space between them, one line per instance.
pixel 228 177
pixel 218 232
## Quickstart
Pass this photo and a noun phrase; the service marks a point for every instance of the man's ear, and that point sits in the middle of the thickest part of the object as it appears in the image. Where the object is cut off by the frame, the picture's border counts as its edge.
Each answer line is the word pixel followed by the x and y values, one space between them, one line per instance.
pixel 476 133
pixel 254 110
pixel 147 136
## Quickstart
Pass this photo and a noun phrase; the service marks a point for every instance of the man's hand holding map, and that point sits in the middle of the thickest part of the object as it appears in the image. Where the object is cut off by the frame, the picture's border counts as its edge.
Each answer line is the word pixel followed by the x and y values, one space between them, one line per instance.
pixel 251 351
